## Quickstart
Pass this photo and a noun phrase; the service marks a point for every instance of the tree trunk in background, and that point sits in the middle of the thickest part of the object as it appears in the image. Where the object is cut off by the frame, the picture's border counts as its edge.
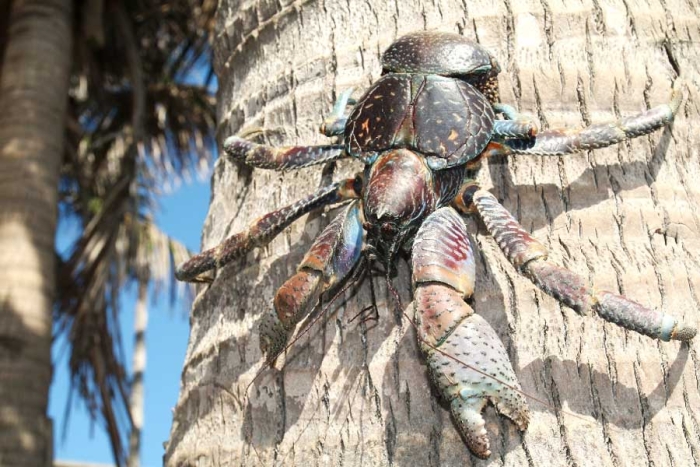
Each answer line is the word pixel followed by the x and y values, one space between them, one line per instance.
pixel 33 98
pixel 4 23
pixel 138 369
pixel 625 217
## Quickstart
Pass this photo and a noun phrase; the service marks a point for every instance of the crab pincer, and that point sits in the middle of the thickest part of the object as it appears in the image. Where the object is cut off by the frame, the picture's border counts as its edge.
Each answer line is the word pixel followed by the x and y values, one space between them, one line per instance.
pixel 466 359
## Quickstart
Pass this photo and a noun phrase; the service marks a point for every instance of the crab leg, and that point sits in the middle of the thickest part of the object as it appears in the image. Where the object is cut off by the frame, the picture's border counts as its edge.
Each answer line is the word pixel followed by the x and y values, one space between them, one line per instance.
pixel 331 257
pixel 530 258
pixel 561 142
pixel 516 125
pixel 262 156
pixel 294 157
pixel 443 276
pixel 514 129
pixel 262 230
pixel 334 125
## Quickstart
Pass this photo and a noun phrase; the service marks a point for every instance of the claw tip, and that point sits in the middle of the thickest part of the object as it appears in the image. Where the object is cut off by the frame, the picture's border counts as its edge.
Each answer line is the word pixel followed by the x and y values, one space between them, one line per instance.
pixel 685 333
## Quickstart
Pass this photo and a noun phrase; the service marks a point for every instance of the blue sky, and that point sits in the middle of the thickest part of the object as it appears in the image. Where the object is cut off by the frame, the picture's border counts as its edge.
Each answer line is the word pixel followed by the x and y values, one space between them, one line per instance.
pixel 181 216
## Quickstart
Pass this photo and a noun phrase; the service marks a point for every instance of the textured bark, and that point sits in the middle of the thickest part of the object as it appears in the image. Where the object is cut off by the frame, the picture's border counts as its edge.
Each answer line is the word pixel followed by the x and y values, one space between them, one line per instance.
pixel 626 218
pixel 33 98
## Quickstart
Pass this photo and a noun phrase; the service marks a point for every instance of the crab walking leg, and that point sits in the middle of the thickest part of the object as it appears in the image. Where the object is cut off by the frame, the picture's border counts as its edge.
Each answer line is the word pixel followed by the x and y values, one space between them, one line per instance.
pixel 331 257
pixel 530 258
pixel 334 125
pixel 262 156
pixel 516 125
pixel 562 142
pixel 443 276
pixel 262 230
pixel 514 129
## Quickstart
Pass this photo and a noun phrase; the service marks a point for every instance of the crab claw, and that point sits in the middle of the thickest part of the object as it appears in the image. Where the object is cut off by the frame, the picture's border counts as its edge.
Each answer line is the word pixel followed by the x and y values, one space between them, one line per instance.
pixel 467 360
pixel 480 372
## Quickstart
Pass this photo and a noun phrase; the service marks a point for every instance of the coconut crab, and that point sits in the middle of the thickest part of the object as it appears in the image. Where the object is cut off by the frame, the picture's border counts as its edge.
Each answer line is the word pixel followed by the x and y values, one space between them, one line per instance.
pixel 422 131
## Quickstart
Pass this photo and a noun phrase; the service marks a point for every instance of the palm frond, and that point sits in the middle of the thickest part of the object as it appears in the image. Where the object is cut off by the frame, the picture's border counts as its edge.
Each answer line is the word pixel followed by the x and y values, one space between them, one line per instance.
pixel 114 250
pixel 133 125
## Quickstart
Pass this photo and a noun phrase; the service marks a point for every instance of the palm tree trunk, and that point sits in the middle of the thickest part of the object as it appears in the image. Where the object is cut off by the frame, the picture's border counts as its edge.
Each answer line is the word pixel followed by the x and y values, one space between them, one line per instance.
pixel 4 23
pixel 625 217
pixel 138 369
pixel 33 97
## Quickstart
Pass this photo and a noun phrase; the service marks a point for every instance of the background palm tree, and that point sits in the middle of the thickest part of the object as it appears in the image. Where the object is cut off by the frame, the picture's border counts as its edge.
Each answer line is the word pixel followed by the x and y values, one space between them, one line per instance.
pixel 624 217
pixel 142 126
pixel 156 254
pixel 132 123
pixel 36 44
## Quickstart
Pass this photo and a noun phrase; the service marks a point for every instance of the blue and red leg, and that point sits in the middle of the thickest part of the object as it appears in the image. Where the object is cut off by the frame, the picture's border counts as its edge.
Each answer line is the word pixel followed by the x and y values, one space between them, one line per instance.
pixel 557 142
pixel 332 256
pixel 516 125
pixel 262 230
pixel 334 125
pixel 263 156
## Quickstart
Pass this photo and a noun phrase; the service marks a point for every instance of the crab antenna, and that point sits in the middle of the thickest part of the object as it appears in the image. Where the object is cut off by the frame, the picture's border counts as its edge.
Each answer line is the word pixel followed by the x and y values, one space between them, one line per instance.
pixel 394 295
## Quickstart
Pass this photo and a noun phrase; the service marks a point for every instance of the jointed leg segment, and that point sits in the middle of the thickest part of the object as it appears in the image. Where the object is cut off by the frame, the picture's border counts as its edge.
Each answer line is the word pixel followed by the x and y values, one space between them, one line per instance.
pixel 263 230
pixel 515 125
pixel 332 256
pixel 530 258
pixel 334 125
pixel 294 157
pixel 557 142
pixel 281 158
pixel 514 129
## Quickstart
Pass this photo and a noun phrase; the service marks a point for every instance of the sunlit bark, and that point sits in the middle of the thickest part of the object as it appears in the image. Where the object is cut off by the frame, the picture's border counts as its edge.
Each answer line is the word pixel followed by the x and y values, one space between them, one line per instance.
pixel 626 218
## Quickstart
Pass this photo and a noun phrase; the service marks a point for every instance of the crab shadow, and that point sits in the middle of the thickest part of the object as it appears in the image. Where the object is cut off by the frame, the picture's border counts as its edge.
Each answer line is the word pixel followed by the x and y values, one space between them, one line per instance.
pixel 592 393
pixel 288 399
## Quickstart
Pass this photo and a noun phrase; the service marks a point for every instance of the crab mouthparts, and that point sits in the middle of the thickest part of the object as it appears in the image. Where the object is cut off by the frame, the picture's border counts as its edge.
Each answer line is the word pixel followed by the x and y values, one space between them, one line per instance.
pixel 398 195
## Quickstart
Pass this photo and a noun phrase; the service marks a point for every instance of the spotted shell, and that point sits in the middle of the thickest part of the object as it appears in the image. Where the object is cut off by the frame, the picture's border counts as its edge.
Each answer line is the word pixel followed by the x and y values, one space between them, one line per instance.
pixel 446 119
